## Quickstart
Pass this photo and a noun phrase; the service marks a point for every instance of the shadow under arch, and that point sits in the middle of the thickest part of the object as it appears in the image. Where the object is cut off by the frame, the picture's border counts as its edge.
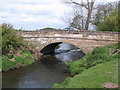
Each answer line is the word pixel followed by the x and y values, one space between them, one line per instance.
pixel 50 48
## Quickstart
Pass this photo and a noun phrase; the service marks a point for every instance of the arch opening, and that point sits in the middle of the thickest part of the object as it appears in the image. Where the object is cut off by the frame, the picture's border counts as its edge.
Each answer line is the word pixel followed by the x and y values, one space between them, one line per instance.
pixel 58 47
pixel 61 52
pixel 49 49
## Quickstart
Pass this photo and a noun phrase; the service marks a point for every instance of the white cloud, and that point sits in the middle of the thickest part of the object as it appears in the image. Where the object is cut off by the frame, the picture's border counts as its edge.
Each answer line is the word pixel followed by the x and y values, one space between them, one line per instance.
pixel 33 14
pixel 111 0
pixel 22 13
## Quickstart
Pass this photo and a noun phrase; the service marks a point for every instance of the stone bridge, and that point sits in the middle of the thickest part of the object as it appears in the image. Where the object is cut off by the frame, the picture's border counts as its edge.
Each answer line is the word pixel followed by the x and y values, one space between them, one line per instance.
pixel 85 40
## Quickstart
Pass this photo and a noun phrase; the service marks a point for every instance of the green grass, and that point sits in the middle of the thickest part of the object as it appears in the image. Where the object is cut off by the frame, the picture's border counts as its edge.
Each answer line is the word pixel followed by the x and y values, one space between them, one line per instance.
pixel 26 59
pixel 99 55
pixel 91 70
pixel 94 77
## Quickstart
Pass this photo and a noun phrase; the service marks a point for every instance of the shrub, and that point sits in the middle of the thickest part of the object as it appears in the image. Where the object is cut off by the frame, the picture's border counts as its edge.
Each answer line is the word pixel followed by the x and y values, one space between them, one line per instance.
pixel 10 40
pixel 12 45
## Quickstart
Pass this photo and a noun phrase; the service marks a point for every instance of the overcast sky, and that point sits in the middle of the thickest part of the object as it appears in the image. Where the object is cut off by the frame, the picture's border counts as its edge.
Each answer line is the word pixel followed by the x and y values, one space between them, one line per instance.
pixel 34 14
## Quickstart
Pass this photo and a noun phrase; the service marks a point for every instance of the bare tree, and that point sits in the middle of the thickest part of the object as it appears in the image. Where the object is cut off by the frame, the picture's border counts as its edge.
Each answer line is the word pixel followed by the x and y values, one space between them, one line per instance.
pixel 86 4
pixel 76 20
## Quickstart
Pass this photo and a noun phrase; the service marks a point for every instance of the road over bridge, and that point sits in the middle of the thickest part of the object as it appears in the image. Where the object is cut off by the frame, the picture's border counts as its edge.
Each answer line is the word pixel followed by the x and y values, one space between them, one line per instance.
pixel 85 40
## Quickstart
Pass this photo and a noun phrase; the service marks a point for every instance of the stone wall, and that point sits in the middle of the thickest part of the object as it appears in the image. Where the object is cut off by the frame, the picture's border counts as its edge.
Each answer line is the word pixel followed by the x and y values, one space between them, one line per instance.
pixel 86 41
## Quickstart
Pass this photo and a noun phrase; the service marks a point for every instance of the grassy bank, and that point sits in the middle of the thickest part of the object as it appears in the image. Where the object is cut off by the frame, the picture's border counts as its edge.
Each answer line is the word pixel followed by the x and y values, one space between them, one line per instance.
pixel 11 62
pixel 95 77
pixel 94 69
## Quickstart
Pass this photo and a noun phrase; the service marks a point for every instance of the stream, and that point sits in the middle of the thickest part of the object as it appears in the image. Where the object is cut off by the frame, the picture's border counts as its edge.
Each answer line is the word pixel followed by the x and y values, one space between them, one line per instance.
pixel 43 74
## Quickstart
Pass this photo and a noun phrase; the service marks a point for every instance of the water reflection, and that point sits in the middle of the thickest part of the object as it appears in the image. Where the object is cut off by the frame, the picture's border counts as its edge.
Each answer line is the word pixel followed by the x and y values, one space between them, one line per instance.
pixel 65 46
pixel 37 75
pixel 66 52
pixel 70 56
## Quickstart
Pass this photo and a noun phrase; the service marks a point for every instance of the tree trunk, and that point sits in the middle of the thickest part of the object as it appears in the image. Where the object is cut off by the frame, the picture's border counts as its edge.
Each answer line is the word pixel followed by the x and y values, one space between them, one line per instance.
pixel 90 8
pixel 88 19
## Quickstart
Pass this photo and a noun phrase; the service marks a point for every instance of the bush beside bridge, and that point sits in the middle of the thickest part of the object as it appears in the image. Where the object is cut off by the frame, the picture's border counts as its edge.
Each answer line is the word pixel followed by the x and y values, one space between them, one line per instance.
pixel 15 51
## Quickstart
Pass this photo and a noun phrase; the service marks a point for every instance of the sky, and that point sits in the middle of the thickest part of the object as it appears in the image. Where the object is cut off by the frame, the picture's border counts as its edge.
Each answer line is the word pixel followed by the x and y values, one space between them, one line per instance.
pixel 34 14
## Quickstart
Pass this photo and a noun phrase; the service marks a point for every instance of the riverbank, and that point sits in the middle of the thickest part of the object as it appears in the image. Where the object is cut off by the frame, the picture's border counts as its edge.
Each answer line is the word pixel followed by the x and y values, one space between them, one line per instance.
pixel 95 70
pixel 12 62
pixel 16 52
pixel 18 59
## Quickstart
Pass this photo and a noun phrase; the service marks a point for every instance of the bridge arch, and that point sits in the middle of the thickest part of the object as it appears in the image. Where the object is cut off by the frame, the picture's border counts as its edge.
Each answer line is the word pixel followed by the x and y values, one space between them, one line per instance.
pixel 50 48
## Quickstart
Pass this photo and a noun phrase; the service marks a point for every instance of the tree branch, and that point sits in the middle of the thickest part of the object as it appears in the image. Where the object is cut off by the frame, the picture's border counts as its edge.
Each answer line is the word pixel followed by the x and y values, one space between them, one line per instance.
pixel 83 5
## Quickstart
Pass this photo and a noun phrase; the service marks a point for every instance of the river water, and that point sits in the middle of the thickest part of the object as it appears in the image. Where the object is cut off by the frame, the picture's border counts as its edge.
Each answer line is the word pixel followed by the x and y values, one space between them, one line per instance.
pixel 51 69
